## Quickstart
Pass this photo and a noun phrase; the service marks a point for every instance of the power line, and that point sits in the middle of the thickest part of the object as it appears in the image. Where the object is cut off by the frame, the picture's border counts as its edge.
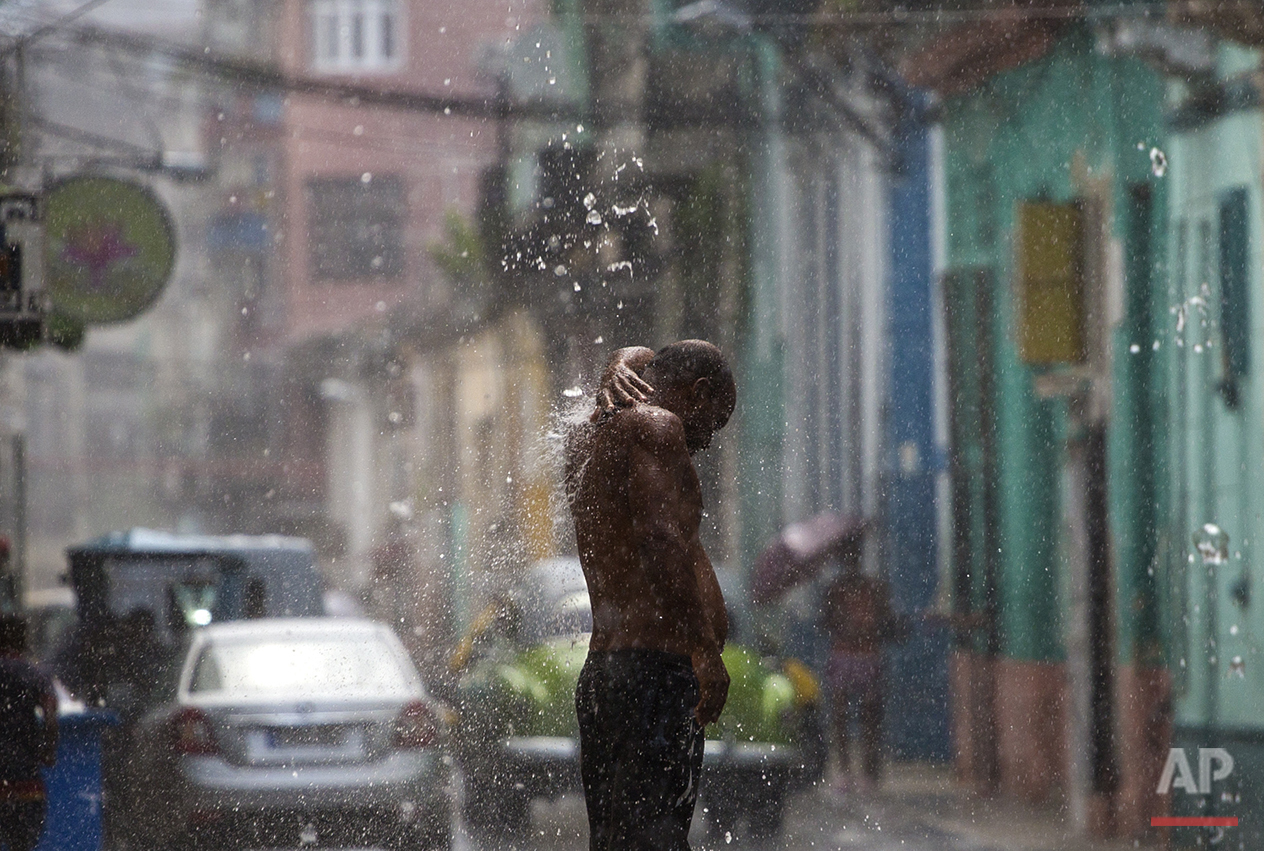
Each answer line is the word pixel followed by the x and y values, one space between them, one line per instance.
pixel 259 75
pixel 48 29
pixel 1052 12
pixel 87 137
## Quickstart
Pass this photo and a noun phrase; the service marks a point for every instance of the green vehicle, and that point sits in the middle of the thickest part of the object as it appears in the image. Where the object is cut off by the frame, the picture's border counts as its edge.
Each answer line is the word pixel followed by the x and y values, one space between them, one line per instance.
pixel 517 737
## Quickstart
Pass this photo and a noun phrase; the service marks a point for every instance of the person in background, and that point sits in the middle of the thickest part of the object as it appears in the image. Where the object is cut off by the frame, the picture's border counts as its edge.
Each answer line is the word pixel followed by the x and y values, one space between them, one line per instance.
pixel 859 621
pixel 28 739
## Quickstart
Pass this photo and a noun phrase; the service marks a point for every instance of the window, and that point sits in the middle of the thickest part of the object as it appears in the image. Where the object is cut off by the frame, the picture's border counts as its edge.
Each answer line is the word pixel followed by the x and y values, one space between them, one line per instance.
pixel 356 227
pixel 356 35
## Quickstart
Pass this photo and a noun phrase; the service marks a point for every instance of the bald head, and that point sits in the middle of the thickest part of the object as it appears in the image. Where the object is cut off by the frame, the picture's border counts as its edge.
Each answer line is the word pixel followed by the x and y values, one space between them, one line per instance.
pixel 692 380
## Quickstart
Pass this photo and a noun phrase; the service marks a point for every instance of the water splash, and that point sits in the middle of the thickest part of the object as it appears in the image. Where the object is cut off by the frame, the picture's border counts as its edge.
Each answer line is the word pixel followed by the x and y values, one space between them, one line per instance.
pixel 1212 544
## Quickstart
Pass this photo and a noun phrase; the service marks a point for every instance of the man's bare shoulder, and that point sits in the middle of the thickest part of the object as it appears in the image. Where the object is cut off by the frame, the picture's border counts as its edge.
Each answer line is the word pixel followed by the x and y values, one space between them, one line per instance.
pixel 650 426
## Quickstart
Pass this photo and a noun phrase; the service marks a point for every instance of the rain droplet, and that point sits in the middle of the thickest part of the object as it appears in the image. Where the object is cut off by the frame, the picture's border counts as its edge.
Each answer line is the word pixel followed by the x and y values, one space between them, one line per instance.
pixel 590 200
pixel 1212 544
pixel 1155 346
pixel 577 287
pixel 573 392
pixel 560 271
pixel 1233 630
pixel 593 218
pixel 552 81
pixel 728 837
pixel 1158 162
pixel 1237 667
pixel 1134 348
pixel 359 130
pixel 367 177
pixel 599 340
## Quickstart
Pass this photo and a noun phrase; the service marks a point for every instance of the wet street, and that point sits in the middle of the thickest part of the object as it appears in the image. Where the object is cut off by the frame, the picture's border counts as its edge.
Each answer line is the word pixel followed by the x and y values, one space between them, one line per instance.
pixel 917 810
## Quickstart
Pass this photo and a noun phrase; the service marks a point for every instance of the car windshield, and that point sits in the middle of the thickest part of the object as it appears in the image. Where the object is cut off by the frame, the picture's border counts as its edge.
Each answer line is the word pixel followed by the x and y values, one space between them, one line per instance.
pixel 298 668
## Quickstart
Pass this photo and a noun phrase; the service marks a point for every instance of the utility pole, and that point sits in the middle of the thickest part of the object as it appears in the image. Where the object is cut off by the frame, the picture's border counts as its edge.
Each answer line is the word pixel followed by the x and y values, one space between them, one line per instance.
pixel 23 308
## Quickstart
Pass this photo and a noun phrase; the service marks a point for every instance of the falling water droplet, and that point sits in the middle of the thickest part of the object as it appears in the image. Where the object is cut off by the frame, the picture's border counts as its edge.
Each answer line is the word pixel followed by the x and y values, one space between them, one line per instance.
pixel 1134 348
pixel 1237 667
pixel 1158 162
pixel 1212 544
pixel 590 200
pixel 593 218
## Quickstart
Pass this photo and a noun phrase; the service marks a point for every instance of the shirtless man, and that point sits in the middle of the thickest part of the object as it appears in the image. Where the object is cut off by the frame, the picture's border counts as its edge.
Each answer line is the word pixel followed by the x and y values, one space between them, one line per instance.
pixel 653 677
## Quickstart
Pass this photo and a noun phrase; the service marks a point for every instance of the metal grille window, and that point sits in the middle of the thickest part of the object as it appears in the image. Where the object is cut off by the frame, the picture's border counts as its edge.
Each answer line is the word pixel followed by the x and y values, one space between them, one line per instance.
pixel 356 35
pixel 356 227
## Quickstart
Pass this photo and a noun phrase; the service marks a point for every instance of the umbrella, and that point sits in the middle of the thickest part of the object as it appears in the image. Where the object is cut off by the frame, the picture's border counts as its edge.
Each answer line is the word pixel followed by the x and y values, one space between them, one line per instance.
pixel 797 553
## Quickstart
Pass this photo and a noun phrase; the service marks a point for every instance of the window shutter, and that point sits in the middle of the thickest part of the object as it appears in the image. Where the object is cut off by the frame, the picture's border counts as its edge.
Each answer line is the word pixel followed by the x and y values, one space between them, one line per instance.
pixel 1049 281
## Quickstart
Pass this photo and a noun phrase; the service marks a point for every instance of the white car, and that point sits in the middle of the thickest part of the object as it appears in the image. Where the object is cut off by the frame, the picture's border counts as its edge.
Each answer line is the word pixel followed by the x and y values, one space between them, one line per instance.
pixel 294 731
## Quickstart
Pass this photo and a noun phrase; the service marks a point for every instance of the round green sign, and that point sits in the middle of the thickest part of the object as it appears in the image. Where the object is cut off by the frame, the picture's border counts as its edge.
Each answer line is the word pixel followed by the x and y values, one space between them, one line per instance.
pixel 109 248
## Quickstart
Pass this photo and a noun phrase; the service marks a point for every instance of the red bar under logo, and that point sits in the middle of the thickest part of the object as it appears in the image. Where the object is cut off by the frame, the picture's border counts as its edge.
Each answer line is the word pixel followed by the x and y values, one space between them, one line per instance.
pixel 1166 821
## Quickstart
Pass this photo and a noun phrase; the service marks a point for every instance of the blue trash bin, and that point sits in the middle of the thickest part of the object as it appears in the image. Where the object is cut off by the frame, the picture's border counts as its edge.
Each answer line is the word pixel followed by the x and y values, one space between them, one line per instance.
pixel 74 784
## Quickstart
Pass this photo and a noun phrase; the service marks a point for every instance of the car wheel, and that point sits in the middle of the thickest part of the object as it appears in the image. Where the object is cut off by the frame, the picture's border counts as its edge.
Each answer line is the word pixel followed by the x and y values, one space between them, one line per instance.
pixel 722 819
pixel 766 814
pixel 498 811
pixel 430 837
pixel 190 841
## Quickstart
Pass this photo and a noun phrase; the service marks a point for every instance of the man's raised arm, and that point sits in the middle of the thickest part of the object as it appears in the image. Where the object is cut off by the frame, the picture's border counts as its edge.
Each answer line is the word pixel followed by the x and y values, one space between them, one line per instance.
pixel 621 382
pixel 666 504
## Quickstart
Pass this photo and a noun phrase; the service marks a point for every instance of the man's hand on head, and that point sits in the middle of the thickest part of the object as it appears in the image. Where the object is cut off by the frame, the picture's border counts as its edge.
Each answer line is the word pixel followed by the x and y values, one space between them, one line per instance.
pixel 621 384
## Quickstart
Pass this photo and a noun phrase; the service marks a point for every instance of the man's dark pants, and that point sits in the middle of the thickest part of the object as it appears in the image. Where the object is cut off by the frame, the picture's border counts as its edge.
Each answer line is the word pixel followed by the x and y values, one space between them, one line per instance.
pixel 640 749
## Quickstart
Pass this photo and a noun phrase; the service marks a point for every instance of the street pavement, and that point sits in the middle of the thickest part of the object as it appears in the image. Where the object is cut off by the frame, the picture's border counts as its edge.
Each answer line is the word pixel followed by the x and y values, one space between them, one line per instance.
pixel 917 809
